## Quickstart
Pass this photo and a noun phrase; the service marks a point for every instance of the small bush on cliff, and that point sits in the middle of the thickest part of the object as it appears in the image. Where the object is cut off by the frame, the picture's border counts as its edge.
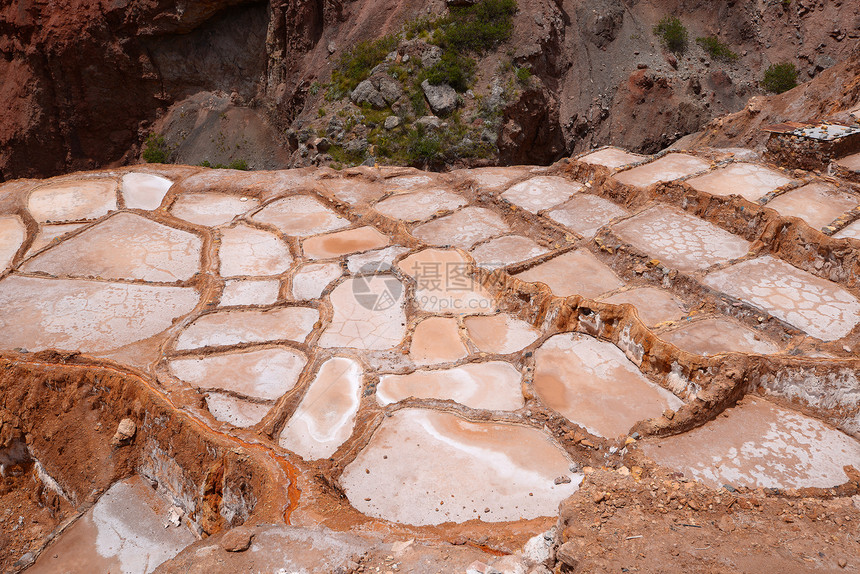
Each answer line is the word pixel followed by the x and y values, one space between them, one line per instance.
pixel 780 78
pixel 453 69
pixel 478 27
pixel 717 49
pixel 155 149
pixel 356 63
pixel 672 33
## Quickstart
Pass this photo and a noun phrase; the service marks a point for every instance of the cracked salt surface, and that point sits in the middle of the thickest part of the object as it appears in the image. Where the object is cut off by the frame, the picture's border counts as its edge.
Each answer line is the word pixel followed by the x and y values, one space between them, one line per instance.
pixel 368 314
pixel 300 216
pixel 211 209
pixel 123 532
pixel 149 251
pixel 816 203
pixel 716 335
pixel 237 412
pixel 586 213
pixel 326 416
pixel 245 250
pixel 820 307
pixel 759 444
pixel 750 181
pixel 506 250
pixel 494 385
pixel 73 200
pixel 612 158
pixel 573 273
pixel 654 306
pixel 437 340
pixel 12 236
pixel 542 192
pixel 680 240
pixel 225 328
pixel 250 292
pixel 419 205
pixel 670 167
pixel 312 279
pixel 262 374
pixel 463 228
pixel 443 284
pixel 593 384
pixel 427 467
pixel 500 334
pixel 88 316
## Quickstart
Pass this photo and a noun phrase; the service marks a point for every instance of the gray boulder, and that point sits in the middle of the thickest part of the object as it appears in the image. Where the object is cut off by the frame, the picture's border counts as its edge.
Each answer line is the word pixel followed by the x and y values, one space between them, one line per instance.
pixel 388 87
pixel 442 98
pixel 429 122
pixel 391 122
pixel 367 92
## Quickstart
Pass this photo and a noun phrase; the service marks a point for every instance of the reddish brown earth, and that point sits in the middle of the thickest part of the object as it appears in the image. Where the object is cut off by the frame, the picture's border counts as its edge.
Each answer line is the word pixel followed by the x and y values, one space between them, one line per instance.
pixel 85 80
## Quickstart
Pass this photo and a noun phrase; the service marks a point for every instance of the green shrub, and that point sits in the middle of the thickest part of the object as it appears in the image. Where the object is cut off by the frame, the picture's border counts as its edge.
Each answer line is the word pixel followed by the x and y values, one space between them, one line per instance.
pixel 717 49
pixel 155 149
pixel 477 28
pixel 453 69
pixel 423 146
pixel 523 74
pixel 355 64
pixel 672 33
pixel 780 78
pixel 416 98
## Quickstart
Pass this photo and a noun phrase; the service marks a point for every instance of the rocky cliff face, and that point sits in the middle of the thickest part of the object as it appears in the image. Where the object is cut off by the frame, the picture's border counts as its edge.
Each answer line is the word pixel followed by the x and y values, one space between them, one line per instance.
pixel 84 81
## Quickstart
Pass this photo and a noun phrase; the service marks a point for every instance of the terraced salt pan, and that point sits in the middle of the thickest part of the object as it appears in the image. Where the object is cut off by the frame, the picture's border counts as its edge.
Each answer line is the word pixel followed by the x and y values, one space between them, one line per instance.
pixel 717 335
pixel 850 162
pixel 494 385
pixel 586 213
pixel 326 416
pixel 670 167
pixel 437 340
pixel 654 306
pixel 427 467
pixel 74 200
pixel 506 250
pixel 759 444
pixel 300 216
pixel 123 532
pixel 419 205
pixel 495 178
pixel 236 412
pixel 542 192
pixel 462 229
pixel 500 334
pixel 88 316
pixel 574 273
pixel 211 209
pixel 354 191
pixel 410 181
pixel 820 307
pixel 375 261
pixel 246 250
pixel 144 190
pixel 47 234
pixel 593 384
pixel 124 246
pixel 311 279
pixel 224 328
pixel 612 158
pixel 343 242
pixel 851 231
pixel 262 374
pixel 750 181
pixel 368 314
pixel 12 235
pixel 816 203
pixel 443 283
pixel 250 292
pixel 679 240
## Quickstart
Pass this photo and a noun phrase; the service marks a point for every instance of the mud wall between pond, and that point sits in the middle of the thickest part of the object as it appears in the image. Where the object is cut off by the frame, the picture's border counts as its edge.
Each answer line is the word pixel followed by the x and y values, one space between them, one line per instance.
pixel 67 409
